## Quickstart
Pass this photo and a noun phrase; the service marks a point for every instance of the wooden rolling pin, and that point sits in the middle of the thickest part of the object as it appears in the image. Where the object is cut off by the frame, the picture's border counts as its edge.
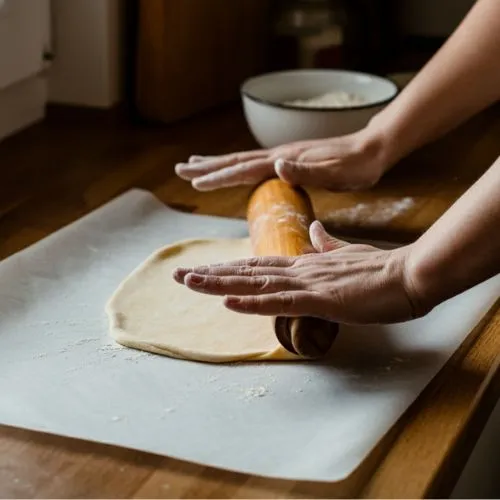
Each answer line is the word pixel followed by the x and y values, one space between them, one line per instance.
pixel 279 217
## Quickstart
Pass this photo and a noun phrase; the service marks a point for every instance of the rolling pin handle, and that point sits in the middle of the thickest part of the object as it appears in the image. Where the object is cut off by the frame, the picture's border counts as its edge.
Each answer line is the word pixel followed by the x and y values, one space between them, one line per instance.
pixel 308 337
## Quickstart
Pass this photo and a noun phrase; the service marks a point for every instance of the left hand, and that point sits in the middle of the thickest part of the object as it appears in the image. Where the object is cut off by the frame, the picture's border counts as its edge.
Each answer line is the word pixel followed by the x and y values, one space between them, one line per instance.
pixel 351 162
pixel 347 283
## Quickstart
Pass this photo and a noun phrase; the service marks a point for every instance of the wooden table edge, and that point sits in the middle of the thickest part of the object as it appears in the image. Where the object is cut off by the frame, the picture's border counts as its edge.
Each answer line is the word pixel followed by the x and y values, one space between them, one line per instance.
pixel 433 476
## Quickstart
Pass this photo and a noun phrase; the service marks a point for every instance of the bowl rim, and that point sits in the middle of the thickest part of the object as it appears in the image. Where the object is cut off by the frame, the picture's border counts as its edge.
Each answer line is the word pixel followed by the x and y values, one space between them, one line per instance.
pixel 353 107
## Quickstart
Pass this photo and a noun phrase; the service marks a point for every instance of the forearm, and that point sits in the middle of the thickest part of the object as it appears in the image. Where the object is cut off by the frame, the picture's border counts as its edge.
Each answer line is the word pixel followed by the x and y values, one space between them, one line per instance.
pixel 462 248
pixel 460 80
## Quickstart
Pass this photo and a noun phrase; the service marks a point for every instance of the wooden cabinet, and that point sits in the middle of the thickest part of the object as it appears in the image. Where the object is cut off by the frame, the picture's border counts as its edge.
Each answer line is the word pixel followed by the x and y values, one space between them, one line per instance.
pixel 194 54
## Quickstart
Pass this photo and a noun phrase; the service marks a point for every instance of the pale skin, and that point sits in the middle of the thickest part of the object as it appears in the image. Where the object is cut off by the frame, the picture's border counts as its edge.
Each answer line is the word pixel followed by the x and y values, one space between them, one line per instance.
pixel 357 283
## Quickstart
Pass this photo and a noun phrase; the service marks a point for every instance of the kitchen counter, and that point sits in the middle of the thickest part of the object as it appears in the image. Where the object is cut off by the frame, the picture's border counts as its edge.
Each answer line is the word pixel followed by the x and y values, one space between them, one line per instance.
pixel 60 170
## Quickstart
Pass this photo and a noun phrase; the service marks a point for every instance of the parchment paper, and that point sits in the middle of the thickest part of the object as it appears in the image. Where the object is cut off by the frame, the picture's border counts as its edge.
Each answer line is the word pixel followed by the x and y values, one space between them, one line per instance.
pixel 60 373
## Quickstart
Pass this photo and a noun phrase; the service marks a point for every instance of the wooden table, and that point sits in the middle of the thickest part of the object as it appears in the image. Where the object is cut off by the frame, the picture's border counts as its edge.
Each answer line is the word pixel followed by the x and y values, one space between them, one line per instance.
pixel 56 172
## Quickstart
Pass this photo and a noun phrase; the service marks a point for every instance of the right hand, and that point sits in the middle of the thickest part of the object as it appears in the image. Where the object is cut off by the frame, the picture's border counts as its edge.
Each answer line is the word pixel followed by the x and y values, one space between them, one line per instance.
pixel 352 284
pixel 351 162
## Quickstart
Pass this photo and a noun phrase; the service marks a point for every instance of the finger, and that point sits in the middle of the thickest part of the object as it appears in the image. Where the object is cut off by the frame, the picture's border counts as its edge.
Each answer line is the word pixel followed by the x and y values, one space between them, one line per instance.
pixel 198 158
pixel 241 285
pixel 312 174
pixel 250 172
pixel 179 274
pixel 237 267
pixel 271 265
pixel 294 303
pixel 225 270
pixel 189 171
pixel 271 261
pixel 320 154
pixel 326 174
pixel 322 241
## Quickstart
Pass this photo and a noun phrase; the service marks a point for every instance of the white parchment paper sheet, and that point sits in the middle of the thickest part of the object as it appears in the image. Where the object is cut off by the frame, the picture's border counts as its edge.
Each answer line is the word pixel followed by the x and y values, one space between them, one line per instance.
pixel 60 373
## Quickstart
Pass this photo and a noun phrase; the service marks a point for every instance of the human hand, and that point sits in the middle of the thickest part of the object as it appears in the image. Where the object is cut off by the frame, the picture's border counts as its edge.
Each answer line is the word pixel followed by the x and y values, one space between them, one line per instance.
pixel 355 284
pixel 354 161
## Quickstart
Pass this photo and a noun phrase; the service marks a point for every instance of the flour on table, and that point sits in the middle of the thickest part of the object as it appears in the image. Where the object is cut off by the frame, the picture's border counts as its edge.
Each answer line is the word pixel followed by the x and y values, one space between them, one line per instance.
pixel 255 392
pixel 371 214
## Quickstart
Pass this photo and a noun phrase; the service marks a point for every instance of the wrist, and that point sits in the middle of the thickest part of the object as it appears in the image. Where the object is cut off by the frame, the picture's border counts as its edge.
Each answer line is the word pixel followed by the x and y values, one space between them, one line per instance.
pixel 387 131
pixel 423 279
pixel 383 142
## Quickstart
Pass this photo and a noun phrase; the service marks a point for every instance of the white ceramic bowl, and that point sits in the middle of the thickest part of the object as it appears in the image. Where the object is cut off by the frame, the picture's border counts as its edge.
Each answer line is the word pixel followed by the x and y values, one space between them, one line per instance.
pixel 273 123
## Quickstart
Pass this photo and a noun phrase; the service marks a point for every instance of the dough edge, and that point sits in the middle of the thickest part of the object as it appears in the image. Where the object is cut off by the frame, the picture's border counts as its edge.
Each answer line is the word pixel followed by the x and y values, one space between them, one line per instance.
pixel 121 337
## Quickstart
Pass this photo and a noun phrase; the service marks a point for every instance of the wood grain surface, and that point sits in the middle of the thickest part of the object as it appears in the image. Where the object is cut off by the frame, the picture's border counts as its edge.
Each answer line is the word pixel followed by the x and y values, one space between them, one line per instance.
pixel 60 170
pixel 279 216
pixel 185 49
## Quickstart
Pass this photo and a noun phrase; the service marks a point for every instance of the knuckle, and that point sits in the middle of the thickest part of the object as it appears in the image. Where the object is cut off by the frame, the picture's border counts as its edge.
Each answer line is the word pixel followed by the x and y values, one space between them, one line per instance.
pixel 299 284
pixel 300 263
pixel 262 282
pixel 202 270
pixel 245 271
pixel 287 302
pixel 250 304
pixel 304 156
pixel 277 152
pixel 280 261
pixel 240 157
pixel 239 166
pixel 217 282
pixel 253 261
pixel 309 155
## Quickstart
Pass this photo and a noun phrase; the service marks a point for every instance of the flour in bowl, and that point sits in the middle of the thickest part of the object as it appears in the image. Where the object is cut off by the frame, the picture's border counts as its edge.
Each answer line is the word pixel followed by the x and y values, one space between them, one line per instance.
pixel 336 99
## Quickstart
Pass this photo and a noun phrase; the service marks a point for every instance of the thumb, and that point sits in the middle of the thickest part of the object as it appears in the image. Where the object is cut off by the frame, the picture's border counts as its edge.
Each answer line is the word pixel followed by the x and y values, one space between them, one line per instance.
pixel 322 241
pixel 292 172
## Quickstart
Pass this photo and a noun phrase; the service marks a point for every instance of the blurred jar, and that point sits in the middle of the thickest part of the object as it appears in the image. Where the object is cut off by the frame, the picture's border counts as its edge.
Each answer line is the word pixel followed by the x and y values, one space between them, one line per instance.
pixel 310 34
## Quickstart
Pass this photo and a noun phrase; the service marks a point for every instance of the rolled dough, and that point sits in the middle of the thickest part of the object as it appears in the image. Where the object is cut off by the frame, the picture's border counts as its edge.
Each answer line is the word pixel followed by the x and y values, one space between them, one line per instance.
pixel 150 311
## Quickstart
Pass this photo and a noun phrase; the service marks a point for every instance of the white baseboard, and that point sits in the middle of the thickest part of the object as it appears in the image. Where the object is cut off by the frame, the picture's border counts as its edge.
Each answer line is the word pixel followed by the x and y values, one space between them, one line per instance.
pixel 22 105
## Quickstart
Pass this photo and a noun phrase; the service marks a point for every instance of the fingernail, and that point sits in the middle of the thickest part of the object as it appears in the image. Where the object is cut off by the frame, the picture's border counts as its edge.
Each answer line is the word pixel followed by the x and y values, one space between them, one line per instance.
pixel 233 301
pixel 279 163
pixel 316 225
pixel 195 279
pixel 284 170
pixel 195 158
pixel 179 166
pixel 201 186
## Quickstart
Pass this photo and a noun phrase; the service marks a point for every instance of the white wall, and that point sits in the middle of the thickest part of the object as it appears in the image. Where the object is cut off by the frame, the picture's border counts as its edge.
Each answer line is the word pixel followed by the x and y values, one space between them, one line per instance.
pixel 22 37
pixel 86 42
pixel 24 31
